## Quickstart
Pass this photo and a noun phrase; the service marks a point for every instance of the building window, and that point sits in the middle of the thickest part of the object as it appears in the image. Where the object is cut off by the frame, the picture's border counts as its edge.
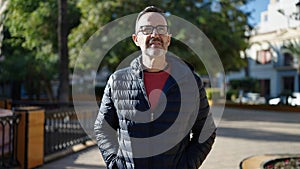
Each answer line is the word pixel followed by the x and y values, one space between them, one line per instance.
pixel 264 56
pixel 265 87
pixel 266 18
pixel 288 59
pixel 288 84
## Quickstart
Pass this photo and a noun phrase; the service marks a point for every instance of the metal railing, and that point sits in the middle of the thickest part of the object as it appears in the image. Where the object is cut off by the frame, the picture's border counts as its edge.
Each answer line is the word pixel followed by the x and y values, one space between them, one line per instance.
pixel 62 130
pixel 8 144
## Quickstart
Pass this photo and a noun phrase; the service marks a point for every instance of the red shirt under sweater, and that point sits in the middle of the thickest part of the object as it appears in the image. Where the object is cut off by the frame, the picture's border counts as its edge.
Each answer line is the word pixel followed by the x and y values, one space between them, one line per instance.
pixel 154 83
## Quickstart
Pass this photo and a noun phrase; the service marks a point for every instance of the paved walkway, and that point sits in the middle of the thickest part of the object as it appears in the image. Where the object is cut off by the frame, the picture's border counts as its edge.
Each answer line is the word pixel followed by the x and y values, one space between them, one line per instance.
pixel 241 134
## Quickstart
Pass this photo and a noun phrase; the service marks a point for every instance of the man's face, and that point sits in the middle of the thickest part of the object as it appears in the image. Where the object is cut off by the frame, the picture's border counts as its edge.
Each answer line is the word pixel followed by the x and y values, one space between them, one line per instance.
pixel 157 41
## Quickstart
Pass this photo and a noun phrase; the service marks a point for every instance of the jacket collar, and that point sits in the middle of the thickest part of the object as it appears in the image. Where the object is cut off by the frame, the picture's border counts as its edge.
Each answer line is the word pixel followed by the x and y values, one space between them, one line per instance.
pixel 179 68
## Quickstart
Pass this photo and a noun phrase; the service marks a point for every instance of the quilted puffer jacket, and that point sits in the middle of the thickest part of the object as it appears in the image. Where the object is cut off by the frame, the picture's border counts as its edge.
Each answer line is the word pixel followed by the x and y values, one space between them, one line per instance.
pixel 178 136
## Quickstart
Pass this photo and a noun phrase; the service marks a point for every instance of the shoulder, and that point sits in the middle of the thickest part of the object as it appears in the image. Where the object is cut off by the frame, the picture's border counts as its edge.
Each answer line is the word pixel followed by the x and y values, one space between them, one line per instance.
pixel 120 74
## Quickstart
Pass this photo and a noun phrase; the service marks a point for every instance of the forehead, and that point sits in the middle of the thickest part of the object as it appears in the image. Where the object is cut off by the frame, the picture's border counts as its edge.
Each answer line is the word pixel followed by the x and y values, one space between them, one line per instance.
pixel 152 18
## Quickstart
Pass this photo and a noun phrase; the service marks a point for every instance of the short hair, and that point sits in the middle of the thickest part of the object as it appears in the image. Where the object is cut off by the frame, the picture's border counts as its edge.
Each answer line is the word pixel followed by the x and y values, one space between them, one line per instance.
pixel 146 10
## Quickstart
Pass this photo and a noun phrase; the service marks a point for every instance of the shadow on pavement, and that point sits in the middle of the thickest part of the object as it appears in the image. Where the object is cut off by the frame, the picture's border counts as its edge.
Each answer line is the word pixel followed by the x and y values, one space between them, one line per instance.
pixel 88 158
pixel 253 134
pixel 74 166
pixel 234 114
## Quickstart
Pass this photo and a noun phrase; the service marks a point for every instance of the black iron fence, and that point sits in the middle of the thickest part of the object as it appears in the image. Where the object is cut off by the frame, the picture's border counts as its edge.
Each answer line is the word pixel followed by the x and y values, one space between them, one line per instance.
pixel 62 130
pixel 8 142
pixel 43 104
pixel 61 126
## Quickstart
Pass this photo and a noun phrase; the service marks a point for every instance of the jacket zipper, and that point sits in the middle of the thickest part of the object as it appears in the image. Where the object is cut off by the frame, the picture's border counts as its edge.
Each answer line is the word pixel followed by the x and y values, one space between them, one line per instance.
pixel 141 81
pixel 152 113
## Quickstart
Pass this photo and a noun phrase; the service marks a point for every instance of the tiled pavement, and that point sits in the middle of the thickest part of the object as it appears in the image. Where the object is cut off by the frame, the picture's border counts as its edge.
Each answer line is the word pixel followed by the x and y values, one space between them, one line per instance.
pixel 241 134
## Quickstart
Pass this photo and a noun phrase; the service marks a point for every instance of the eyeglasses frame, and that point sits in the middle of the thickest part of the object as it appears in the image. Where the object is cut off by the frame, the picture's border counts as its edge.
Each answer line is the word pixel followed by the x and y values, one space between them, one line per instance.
pixel 153 27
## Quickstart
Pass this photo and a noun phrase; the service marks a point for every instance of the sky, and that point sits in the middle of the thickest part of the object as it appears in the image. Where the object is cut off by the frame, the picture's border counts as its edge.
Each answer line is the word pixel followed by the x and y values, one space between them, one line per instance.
pixel 256 6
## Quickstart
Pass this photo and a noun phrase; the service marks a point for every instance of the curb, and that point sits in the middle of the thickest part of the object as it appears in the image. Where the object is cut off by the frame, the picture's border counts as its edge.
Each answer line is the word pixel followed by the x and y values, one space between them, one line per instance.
pixel 281 108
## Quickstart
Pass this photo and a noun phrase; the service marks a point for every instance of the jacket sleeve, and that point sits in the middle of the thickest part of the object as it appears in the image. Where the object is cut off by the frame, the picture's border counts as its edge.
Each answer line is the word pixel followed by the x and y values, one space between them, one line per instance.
pixel 105 128
pixel 203 131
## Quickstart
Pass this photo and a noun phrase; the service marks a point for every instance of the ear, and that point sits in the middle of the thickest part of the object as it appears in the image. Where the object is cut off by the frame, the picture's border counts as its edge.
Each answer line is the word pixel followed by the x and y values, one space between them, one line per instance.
pixel 135 39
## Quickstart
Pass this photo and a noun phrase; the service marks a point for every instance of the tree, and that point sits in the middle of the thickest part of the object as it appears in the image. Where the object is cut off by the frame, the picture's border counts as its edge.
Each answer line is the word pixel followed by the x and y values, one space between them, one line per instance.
pixel 223 22
pixel 32 26
pixel 25 61
pixel 21 66
pixel 294 48
pixel 63 90
pixel 3 7
pixel 224 27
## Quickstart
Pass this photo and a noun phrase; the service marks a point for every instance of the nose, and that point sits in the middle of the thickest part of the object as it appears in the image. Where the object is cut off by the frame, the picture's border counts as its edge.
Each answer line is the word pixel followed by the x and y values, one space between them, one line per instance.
pixel 154 33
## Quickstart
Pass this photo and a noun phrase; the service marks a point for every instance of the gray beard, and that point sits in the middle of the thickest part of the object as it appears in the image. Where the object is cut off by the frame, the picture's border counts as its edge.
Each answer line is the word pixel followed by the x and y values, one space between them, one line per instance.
pixel 155 52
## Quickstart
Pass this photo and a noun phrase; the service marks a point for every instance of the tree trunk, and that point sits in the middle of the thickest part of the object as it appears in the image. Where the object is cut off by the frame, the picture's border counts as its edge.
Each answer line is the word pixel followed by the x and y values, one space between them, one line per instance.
pixel 3 7
pixel 63 90
pixel 46 85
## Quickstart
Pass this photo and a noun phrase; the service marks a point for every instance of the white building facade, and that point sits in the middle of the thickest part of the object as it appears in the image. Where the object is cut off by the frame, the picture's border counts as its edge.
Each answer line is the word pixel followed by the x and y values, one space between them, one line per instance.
pixel 269 61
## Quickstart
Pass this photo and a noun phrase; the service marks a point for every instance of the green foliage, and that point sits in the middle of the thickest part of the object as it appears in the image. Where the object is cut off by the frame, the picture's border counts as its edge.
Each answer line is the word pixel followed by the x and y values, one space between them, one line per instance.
pixel 28 20
pixel 286 92
pixel 286 163
pixel 36 22
pixel 32 30
pixel 21 65
pixel 247 85
pixel 183 51
pixel 213 93
pixel 96 14
pixel 232 94
pixel 30 43
pixel 294 48
pixel 225 28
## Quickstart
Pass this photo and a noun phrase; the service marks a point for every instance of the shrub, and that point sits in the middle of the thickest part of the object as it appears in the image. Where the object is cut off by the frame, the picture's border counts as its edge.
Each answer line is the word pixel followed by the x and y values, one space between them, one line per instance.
pixel 285 163
pixel 213 92
pixel 246 84
pixel 232 94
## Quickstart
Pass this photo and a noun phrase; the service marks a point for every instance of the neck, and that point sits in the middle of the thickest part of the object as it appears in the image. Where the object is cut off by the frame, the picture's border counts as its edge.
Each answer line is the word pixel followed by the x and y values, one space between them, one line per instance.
pixel 154 64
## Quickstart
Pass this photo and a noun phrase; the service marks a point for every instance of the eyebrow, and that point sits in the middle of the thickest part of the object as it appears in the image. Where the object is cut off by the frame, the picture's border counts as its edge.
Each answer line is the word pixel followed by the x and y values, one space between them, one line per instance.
pixel 153 26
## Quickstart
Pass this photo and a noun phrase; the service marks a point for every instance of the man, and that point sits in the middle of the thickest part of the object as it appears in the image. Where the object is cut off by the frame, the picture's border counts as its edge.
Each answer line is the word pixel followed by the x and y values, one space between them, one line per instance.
pixel 143 102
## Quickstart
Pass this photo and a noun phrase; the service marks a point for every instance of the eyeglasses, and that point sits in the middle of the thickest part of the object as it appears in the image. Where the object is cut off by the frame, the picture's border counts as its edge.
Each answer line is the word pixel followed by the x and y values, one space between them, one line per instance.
pixel 148 29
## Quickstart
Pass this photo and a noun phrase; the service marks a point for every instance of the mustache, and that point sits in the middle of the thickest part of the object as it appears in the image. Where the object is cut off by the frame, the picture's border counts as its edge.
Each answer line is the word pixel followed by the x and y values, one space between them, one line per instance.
pixel 154 39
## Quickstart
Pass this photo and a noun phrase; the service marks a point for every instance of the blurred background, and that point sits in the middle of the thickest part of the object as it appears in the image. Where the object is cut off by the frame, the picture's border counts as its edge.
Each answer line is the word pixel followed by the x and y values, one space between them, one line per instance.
pixel 257 41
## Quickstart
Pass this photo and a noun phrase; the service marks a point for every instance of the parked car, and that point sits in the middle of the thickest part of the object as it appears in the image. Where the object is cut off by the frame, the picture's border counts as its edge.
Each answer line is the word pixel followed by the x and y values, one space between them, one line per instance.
pixel 278 100
pixel 251 98
pixel 293 100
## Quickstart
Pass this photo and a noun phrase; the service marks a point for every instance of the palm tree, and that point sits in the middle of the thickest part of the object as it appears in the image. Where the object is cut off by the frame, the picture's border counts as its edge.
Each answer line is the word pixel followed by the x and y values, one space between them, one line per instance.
pixel 294 48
